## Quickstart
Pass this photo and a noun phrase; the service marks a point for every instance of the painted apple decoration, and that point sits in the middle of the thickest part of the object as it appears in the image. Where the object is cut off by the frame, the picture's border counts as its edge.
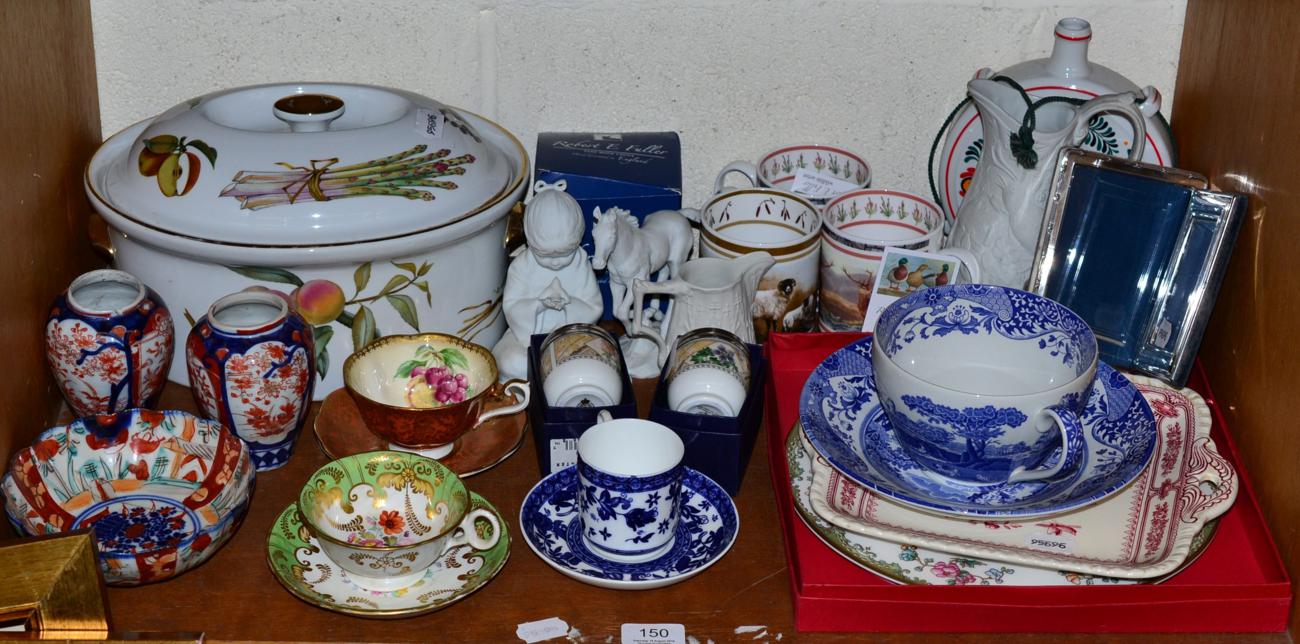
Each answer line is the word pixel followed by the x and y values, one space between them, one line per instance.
pixel 169 158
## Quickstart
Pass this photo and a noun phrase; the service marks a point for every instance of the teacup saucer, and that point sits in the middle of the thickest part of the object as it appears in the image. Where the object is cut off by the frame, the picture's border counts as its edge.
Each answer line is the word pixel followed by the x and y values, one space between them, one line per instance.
pixel 551 527
pixel 340 432
pixel 298 563
pixel 844 421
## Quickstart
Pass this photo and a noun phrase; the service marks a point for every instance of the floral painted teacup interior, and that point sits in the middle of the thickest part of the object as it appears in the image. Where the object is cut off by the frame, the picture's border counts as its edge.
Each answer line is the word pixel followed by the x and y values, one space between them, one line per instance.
pixel 421 372
pixel 383 499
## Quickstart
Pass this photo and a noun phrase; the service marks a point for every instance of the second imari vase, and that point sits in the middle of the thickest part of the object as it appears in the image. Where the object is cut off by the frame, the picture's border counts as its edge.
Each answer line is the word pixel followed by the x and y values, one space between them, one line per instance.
pixel 251 366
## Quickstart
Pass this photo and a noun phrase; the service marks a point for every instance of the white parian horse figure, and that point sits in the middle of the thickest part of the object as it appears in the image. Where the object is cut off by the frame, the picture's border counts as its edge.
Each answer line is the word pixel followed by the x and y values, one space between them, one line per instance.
pixel 632 252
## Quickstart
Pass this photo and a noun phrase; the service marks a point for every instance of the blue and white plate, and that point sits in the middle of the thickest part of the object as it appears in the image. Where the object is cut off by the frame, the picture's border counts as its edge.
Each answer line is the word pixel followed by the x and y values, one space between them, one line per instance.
pixel 844 421
pixel 705 532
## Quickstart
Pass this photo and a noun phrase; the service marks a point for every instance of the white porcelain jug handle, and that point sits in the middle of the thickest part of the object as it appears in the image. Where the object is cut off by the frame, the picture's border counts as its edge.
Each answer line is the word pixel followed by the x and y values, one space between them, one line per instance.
pixel 1125 104
pixel 1072 447
pixel 968 261
pixel 640 288
pixel 520 387
pixel 749 170
pixel 468 535
pixel 1151 102
pixel 603 416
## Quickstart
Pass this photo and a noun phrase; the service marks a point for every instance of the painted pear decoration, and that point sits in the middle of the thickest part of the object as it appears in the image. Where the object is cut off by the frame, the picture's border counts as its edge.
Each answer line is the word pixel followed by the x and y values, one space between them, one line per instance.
pixel 168 158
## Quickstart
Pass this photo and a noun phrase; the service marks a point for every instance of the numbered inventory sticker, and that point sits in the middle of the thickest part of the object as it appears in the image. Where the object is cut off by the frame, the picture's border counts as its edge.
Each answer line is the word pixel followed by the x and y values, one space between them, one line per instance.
pixel 1061 542
pixel 654 634
pixel 564 453
pixel 429 123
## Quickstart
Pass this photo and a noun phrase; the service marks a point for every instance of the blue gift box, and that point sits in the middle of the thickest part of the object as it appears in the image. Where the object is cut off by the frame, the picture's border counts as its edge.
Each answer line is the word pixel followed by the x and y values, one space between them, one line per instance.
pixel 718 446
pixel 640 172
pixel 556 429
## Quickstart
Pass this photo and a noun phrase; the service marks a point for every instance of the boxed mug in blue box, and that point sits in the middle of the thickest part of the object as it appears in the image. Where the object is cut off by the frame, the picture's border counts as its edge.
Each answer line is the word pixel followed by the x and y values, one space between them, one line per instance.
pixel 556 429
pixel 640 172
pixel 718 446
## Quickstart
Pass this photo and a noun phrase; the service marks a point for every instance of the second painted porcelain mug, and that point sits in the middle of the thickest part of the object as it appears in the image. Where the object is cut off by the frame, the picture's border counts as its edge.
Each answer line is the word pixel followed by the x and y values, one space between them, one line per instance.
pixel 708 373
pixel 983 383
pixel 856 228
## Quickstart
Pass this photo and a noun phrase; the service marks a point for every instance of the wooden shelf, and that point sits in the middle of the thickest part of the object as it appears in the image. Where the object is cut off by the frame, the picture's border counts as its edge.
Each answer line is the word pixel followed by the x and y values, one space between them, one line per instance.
pixel 234 596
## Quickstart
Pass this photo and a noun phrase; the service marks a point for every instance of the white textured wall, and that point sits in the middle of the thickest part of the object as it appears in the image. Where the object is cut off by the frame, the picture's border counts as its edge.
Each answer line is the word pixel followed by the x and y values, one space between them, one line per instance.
pixel 734 77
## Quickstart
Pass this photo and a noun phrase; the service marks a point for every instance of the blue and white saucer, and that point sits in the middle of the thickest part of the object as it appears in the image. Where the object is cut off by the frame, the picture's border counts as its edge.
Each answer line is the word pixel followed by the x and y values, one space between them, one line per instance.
pixel 843 419
pixel 705 532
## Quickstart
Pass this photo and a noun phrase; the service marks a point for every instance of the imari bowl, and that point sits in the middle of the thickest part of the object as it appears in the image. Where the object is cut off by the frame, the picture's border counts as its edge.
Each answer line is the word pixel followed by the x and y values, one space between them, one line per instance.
pixel 162 490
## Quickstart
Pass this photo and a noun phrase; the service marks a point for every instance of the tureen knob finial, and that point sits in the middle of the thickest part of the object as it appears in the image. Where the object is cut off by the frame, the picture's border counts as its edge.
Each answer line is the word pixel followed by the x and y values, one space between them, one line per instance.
pixel 309 112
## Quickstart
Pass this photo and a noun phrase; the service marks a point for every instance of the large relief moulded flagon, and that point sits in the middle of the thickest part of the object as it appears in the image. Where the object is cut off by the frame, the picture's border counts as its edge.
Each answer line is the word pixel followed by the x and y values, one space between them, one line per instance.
pixel 1067 72
pixel 379 211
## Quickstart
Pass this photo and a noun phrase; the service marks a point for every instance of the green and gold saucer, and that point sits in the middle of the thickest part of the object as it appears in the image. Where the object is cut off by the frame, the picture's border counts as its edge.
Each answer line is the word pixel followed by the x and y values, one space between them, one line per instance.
pixel 301 567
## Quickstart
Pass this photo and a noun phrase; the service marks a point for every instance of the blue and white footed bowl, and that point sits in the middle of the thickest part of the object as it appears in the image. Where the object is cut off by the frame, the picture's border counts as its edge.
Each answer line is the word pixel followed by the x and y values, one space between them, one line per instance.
pixel 981 383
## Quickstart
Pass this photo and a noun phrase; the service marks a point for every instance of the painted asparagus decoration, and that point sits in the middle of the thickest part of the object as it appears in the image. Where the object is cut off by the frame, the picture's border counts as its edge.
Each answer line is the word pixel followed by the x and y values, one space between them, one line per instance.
pixel 399 175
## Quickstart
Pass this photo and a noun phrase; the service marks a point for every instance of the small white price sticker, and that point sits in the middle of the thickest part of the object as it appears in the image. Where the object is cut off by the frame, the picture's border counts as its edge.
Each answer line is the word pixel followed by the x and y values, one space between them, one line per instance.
pixel 654 634
pixel 819 186
pixel 564 453
pixel 429 123
pixel 542 630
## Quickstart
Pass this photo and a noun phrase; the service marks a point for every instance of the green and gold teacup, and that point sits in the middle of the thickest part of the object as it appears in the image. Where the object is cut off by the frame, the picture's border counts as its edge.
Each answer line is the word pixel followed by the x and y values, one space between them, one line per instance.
pixel 386 517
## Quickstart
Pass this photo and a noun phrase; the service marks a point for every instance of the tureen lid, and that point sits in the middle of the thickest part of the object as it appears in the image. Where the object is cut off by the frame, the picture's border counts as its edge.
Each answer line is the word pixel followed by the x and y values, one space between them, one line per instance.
pixel 302 164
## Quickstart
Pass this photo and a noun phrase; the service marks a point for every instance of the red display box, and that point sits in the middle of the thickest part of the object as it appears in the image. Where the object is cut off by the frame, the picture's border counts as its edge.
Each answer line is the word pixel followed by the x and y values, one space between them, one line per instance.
pixel 1237 585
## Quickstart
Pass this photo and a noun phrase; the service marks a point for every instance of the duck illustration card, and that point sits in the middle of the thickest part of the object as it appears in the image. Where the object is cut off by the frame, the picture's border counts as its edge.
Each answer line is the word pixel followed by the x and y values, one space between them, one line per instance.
pixel 903 272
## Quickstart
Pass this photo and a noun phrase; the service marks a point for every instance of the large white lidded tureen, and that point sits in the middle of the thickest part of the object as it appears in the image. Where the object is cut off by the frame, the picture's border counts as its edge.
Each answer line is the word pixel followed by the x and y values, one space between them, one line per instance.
pixel 384 209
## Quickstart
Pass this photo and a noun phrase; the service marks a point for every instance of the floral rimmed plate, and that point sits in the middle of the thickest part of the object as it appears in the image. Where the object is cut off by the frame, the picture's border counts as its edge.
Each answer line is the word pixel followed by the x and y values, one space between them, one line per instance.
pixel 303 569
pixel 705 532
pixel 911 564
pixel 844 421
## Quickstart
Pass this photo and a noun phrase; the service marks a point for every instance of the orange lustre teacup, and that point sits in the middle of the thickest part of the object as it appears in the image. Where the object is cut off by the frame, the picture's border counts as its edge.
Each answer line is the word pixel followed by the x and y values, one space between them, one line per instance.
pixel 422 392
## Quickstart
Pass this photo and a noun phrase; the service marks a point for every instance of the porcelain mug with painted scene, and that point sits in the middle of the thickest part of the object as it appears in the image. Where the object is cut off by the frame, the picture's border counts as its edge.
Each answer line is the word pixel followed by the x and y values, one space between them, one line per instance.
pixel 630 481
pixel 985 383
pixel 856 228
pixel 581 367
pixel 784 225
pixel 816 172
pixel 386 517
pixel 708 373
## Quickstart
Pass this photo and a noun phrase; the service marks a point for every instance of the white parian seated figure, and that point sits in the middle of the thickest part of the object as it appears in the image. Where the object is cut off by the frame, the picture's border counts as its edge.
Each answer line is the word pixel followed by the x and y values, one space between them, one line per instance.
pixel 551 283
